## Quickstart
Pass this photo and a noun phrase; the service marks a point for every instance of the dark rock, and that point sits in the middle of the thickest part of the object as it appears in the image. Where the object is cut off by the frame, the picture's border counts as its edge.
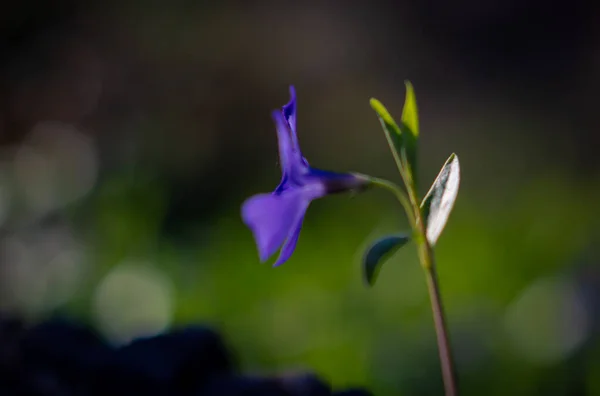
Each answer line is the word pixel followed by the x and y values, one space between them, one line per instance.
pixel 304 384
pixel 11 333
pixel 59 351
pixel 243 386
pixel 62 358
pixel 169 364
pixel 353 392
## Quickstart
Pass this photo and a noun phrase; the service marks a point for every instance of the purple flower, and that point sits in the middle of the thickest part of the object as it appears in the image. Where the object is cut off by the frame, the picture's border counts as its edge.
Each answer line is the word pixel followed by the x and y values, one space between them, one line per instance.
pixel 276 218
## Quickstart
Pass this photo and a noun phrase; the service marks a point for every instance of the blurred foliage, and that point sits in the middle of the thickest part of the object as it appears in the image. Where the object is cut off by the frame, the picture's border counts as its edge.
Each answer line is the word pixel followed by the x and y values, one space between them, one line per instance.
pixel 174 102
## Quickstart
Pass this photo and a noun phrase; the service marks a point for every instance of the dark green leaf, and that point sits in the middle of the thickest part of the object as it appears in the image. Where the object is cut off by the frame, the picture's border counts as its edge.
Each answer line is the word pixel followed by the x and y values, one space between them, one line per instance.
pixel 380 251
pixel 438 202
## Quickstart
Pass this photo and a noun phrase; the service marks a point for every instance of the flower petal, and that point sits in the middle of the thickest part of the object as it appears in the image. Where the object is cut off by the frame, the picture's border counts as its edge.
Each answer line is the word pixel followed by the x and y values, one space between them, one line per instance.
pixel 335 182
pixel 289 112
pixel 307 193
pixel 284 139
pixel 290 243
pixel 271 217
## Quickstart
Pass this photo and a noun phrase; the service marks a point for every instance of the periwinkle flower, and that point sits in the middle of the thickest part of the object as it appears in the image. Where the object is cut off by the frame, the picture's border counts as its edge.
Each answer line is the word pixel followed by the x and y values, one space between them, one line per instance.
pixel 276 218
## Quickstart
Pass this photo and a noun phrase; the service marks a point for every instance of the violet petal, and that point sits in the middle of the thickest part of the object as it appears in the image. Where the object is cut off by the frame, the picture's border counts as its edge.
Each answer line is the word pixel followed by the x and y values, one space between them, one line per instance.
pixel 271 217
pixel 286 145
pixel 289 112
pixel 290 243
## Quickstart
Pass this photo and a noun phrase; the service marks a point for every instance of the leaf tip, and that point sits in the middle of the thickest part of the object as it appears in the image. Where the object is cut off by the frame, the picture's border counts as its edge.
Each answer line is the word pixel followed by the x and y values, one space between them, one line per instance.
pixel 370 279
pixel 383 113
pixel 454 160
pixel 377 106
pixel 410 115
pixel 377 253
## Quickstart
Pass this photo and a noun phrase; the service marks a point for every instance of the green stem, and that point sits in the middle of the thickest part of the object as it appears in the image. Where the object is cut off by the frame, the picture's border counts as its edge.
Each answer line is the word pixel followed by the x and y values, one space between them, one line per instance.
pixel 439 319
pixel 397 191
pixel 427 259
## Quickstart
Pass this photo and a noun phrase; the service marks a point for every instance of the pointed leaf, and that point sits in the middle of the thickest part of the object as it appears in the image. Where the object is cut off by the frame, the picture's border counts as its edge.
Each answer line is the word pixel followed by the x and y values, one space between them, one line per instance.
pixel 391 129
pixel 380 251
pixel 402 138
pixel 410 128
pixel 410 114
pixel 438 202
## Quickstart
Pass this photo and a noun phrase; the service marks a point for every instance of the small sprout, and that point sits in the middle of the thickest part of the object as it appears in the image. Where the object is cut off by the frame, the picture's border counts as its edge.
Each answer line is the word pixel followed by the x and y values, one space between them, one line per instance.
pixel 402 138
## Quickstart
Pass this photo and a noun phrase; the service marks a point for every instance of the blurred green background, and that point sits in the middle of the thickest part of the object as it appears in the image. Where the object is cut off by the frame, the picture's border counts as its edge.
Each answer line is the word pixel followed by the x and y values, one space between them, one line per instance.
pixel 131 132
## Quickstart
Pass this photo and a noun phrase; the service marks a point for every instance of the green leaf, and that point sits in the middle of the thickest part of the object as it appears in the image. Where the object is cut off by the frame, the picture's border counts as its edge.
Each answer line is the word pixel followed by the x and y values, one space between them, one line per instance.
pixel 403 138
pixel 380 251
pixel 410 129
pixel 438 202
pixel 391 129
pixel 410 114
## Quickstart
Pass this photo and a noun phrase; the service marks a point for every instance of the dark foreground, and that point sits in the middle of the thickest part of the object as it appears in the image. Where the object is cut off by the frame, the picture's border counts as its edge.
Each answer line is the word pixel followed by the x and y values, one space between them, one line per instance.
pixel 62 358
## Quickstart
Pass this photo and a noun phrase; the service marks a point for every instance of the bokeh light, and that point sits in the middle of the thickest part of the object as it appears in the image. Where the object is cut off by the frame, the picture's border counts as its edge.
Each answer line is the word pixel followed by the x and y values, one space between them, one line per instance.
pixel 55 166
pixel 133 300
pixel 548 321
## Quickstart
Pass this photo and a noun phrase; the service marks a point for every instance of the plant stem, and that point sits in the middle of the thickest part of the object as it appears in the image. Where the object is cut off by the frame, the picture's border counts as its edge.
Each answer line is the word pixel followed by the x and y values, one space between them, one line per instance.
pixel 441 330
pixel 427 259
pixel 397 191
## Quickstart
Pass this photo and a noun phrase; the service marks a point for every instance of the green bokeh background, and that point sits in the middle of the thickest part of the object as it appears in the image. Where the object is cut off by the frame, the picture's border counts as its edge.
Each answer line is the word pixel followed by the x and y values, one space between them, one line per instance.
pixel 181 134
